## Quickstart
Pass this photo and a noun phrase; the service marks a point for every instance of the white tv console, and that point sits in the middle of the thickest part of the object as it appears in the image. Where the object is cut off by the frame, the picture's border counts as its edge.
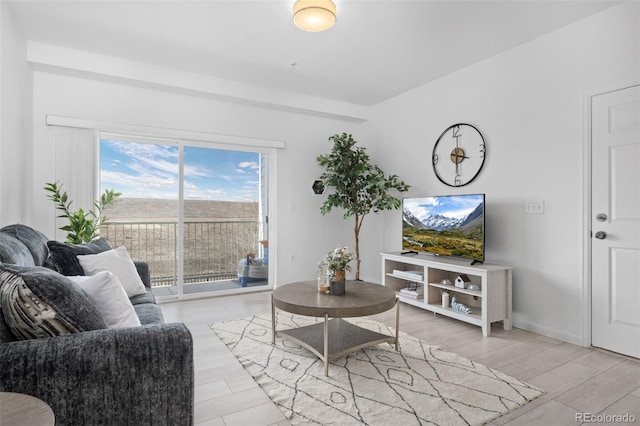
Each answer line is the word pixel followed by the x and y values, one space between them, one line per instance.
pixel 490 304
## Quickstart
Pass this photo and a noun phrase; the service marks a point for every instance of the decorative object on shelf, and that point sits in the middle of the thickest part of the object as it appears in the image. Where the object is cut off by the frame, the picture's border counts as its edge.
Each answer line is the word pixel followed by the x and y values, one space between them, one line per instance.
pixel 83 225
pixel 337 263
pixel 455 305
pixel 314 15
pixel 462 281
pixel 445 282
pixel 459 155
pixel 473 287
pixel 318 187
pixel 359 186
pixel 445 298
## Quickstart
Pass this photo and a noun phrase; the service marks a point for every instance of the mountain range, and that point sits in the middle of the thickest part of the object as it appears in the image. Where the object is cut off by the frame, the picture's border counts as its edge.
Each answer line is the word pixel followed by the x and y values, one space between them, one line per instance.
pixel 442 223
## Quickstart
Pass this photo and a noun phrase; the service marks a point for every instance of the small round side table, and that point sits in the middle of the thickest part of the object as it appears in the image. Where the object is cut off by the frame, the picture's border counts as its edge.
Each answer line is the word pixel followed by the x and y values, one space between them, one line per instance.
pixel 24 410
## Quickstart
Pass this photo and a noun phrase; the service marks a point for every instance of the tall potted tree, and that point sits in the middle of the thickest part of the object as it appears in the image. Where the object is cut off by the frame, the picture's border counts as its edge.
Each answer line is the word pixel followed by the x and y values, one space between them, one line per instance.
pixel 359 187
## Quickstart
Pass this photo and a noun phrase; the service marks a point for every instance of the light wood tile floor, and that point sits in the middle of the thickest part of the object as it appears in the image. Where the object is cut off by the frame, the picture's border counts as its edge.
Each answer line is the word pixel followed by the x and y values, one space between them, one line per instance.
pixel 576 379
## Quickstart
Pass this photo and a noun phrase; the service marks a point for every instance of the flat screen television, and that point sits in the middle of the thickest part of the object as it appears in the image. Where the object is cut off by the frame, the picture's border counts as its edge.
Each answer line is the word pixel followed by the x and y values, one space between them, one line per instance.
pixel 446 225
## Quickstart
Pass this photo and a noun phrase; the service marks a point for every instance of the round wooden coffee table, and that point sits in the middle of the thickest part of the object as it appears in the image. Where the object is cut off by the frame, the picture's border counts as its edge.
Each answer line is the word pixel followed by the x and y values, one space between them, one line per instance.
pixel 334 338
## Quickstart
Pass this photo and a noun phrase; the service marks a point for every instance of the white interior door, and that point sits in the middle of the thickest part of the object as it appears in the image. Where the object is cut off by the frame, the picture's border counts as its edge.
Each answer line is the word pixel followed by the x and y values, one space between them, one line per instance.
pixel 615 221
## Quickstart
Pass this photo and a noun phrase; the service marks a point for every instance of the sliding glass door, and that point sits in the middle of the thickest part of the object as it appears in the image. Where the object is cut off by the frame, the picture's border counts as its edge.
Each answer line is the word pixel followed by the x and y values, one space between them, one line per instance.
pixel 196 213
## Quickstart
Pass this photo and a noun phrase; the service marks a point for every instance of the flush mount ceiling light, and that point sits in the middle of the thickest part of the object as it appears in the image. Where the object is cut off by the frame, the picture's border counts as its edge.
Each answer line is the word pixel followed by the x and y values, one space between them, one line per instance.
pixel 314 15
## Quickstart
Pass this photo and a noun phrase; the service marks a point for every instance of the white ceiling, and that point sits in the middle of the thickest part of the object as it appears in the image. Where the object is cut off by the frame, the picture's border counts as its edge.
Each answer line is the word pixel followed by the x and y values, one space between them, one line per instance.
pixel 376 50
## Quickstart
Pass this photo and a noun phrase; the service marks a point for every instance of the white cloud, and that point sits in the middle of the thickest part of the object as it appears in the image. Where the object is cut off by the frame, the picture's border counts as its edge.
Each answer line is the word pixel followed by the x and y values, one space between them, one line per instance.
pixel 249 165
pixel 139 184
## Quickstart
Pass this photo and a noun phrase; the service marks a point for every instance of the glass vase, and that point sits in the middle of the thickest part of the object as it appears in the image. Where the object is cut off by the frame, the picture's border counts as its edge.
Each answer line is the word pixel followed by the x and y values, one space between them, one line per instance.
pixel 323 280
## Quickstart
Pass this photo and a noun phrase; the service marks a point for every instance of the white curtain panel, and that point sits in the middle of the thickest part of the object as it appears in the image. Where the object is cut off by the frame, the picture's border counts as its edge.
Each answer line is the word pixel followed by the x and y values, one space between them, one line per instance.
pixel 75 168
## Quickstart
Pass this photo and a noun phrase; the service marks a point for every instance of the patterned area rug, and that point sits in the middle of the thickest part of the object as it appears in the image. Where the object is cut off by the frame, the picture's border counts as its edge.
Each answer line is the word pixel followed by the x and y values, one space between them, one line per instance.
pixel 420 385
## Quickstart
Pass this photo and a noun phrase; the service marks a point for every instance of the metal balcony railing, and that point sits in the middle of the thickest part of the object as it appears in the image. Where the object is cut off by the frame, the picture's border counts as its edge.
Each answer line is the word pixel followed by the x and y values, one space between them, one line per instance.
pixel 211 252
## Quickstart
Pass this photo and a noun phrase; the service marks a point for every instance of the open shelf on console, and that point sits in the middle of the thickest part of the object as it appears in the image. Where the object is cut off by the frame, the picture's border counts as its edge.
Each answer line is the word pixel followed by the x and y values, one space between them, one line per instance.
pixel 410 300
pixel 453 288
pixel 490 304
pixel 475 317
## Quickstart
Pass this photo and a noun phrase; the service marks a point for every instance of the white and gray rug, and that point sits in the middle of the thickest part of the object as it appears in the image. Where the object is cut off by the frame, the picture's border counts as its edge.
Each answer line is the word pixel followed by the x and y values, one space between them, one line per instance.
pixel 420 385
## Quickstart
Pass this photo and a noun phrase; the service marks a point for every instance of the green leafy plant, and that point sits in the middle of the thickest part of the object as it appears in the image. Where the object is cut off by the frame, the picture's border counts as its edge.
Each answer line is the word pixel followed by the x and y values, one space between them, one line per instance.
pixel 359 187
pixel 83 226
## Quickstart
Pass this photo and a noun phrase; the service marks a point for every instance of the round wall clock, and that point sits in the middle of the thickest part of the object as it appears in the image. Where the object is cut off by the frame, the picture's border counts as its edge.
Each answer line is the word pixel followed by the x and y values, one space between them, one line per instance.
pixel 459 154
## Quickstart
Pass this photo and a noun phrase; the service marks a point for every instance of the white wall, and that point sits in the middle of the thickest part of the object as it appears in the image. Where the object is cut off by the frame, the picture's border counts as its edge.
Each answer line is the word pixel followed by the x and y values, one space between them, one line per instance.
pixel 529 104
pixel 303 233
pixel 15 104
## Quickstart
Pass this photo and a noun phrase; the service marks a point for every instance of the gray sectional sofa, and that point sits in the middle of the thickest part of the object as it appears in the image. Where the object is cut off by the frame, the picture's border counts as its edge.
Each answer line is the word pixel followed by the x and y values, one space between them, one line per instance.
pixel 94 375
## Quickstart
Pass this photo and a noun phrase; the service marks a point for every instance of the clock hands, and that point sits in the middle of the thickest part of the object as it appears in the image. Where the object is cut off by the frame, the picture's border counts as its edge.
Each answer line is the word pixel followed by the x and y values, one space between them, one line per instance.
pixel 457 155
pixel 467 164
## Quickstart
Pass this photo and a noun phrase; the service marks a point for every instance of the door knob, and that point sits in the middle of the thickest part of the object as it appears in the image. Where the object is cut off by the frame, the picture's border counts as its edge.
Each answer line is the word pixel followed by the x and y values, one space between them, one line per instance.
pixel 601 235
pixel 601 217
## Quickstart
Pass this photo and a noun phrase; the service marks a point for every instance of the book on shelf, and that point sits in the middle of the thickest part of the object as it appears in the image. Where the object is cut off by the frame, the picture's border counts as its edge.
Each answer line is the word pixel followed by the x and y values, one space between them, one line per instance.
pixel 417 275
pixel 412 290
pixel 415 292
pixel 412 296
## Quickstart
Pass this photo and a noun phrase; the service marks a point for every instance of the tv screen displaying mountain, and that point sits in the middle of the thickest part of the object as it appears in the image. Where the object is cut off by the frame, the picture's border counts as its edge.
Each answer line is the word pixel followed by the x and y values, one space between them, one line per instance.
pixel 446 225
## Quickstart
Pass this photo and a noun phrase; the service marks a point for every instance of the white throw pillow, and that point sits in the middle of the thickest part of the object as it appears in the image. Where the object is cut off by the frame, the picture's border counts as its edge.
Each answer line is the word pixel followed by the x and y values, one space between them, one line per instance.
pixel 120 264
pixel 106 291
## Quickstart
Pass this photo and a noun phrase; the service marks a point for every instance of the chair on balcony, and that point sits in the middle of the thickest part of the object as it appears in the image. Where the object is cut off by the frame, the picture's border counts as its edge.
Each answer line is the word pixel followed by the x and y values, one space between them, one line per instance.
pixel 251 270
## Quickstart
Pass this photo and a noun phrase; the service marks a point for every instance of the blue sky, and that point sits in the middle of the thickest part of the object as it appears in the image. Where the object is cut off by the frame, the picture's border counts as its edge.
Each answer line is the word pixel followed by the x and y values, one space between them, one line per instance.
pixel 450 206
pixel 151 171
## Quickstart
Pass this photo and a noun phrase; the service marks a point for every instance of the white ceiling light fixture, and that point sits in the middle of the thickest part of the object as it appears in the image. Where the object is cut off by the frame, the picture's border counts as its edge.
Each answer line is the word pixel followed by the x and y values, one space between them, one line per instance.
pixel 314 15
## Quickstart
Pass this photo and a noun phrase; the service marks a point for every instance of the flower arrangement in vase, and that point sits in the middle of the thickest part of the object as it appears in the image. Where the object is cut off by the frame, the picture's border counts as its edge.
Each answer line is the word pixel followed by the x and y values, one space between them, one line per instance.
pixel 337 263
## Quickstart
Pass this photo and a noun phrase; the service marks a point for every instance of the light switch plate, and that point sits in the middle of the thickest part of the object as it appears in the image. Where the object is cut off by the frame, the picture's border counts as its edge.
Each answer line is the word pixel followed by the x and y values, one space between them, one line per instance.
pixel 534 206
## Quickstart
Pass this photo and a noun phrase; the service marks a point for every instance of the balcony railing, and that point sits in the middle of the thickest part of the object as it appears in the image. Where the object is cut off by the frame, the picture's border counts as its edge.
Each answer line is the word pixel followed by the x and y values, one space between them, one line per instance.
pixel 211 252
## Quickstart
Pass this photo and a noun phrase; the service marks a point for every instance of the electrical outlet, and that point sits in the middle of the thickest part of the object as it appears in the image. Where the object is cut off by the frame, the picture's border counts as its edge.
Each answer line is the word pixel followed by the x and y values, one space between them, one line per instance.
pixel 292 259
pixel 534 207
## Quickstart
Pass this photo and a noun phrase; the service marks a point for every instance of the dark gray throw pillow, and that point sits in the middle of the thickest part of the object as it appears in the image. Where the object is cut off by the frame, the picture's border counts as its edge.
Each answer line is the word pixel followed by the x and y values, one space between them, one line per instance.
pixel 35 241
pixel 38 302
pixel 64 255
pixel 13 251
